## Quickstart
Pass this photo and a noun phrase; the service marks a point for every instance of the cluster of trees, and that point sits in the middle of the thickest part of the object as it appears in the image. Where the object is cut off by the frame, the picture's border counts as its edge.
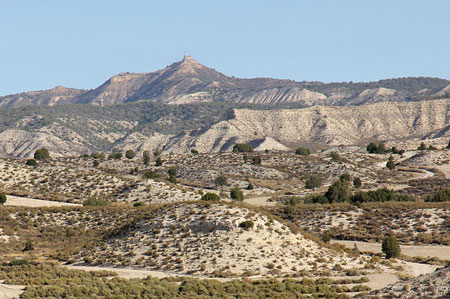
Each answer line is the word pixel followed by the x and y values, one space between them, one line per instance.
pixel 373 148
pixel 423 147
pixel 440 196
pixel 339 191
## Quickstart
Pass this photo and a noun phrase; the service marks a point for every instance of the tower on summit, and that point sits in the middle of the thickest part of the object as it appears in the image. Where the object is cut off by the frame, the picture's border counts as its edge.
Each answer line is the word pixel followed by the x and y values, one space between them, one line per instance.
pixel 186 56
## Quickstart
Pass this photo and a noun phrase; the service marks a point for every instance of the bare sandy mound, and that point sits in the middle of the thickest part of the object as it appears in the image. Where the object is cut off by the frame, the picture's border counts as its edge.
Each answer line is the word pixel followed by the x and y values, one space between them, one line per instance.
pixel 432 285
pixel 210 240
pixel 10 291
pixel 31 202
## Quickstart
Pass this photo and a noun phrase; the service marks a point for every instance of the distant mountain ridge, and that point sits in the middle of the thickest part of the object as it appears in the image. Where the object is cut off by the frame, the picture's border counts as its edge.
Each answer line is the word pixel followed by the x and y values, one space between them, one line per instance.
pixel 188 81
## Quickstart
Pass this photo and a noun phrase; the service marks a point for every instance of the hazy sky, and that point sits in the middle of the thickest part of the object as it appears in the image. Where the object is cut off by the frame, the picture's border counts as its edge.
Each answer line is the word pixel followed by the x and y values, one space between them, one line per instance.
pixel 82 43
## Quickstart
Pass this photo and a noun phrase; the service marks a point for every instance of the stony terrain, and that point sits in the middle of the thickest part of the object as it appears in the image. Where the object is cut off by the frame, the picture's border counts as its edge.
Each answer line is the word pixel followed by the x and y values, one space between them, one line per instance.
pixel 208 240
pixel 432 285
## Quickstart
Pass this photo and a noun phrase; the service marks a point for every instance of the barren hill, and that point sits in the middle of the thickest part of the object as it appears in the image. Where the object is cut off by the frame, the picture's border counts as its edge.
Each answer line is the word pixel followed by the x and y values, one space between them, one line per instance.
pixel 188 81
pixel 211 240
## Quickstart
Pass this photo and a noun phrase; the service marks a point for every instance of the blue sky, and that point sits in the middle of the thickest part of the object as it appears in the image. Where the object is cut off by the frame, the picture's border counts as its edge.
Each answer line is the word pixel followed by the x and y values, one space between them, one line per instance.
pixel 82 43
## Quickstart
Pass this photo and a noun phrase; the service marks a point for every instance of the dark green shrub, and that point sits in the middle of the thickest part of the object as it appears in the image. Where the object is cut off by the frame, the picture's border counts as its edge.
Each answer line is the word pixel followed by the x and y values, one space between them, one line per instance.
pixel 139 204
pixel 130 154
pixel 256 160
pixel 242 147
pixel 2 198
pixel 172 179
pixel 390 247
pixel 194 151
pixel 150 174
pixel 357 182
pixel 41 154
pixel 390 163
pixel 31 162
pixel 250 186
pixel 210 197
pixel 146 157
pixel 221 180
pixel 302 151
pixel 345 177
pixel 159 161
pixel 237 194
pixel 246 224
pixel 95 163
pixel 326 238
pixel 172 171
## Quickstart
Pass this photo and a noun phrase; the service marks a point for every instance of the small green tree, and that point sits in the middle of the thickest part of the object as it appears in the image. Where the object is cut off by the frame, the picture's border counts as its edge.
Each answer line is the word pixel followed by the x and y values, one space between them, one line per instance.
pixel 256 160
pixel 372 148
pixel 302 151
pixel 95 163
pixel 246 224
pixel 130 154
pixel 31 162
pixel 314 181
pixel 172 179
pixel 448 145
pixel 237 194
pixel 194 151
pixel 2 198
pixel 390 163
pixel 401 152
pixel 381 148
pixel 221 180
pixel 422 147
pixel 210 197
pixel 250 186
pixel 390 247
pixel 41 154
pixel 146 157
pixel 117 155
pixel 159 161
pixel 357 182
pixel 338 192
pixel 172 171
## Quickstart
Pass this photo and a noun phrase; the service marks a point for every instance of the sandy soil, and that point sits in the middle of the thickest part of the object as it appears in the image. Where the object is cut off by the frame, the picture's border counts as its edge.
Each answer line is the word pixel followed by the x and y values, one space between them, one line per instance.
pixel 260 201
pixel 130 273
pixel 30 202
pixel 440 251
pixel 10 291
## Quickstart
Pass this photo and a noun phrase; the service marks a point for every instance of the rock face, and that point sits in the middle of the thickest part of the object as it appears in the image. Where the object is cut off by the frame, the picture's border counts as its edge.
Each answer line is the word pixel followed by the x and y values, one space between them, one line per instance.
pixel 282 129
pixel 188 81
